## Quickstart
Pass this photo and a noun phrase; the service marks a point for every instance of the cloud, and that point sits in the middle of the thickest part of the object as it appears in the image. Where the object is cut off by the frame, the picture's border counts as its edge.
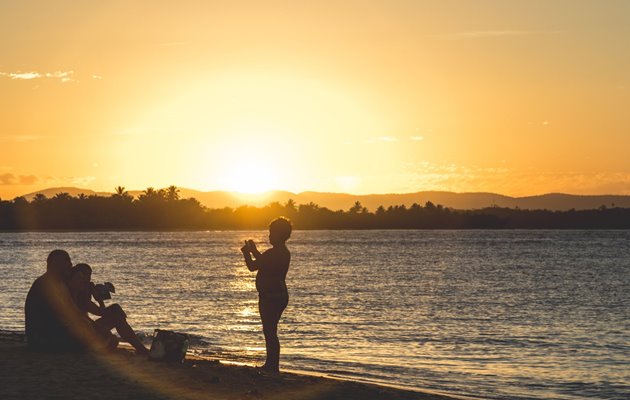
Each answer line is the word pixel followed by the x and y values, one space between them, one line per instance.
pixel 7 179
pixel 21 75
pixel 19 138
pixel 500 179
pixel 63 76
pixel 386 139
pixel 12 179
pixel 489 34
pixel 82 180
pixel 97 77
pixel 416 138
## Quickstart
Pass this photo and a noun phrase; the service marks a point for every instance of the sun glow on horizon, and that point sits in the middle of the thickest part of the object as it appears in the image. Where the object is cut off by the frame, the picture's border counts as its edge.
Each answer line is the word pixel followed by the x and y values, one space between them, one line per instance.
pixel 248 177
pixel 246 167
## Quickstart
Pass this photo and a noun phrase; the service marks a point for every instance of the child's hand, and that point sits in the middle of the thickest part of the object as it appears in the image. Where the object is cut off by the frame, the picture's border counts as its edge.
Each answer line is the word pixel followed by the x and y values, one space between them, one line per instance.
pixel 245 248
pixel 252 246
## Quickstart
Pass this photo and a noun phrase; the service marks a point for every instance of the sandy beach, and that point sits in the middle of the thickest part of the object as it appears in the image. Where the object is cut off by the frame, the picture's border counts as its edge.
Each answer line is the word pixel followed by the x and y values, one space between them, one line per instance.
pixel 123 375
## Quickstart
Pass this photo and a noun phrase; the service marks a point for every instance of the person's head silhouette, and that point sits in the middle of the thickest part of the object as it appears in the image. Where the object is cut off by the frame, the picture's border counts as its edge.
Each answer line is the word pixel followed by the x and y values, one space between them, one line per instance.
pixel 80 276
pixel 58 264
pixel 279 231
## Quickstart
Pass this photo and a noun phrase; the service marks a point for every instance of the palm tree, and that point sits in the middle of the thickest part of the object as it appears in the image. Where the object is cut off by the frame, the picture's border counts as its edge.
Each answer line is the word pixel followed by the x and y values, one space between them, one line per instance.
pixel 20 201
pixel 310 207
pixel 290 205
pixel 121 193
pixel 357 207
pixel 62 196
pixel 152 195
pixel 149 192
pixel 172 193
pixel 40 198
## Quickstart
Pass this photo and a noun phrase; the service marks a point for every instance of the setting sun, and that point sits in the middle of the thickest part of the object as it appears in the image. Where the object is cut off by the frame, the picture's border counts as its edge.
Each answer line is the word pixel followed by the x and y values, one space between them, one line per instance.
pixel 248 176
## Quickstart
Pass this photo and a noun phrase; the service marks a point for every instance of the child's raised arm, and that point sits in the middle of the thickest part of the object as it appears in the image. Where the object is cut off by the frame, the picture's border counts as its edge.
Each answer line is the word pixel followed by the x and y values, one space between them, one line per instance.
pixel 253 249
pixel 252 264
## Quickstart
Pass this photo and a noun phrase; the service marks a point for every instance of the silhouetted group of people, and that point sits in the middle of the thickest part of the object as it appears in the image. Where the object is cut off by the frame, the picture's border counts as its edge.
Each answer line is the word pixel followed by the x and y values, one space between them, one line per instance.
pixel 60 301
pixel 57 307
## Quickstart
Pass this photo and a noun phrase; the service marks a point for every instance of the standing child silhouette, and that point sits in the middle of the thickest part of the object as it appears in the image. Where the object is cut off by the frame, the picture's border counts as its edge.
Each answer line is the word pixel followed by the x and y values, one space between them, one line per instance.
pixel 273 296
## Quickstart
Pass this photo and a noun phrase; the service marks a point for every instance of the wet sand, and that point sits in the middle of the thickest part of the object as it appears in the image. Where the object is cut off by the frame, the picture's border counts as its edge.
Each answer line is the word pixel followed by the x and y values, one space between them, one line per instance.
pixel 124 375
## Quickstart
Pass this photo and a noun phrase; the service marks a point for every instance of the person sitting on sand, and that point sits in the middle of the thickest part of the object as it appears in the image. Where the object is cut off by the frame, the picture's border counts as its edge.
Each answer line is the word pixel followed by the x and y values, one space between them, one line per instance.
pixel 54 322
pixel 81 290
pixel 273 296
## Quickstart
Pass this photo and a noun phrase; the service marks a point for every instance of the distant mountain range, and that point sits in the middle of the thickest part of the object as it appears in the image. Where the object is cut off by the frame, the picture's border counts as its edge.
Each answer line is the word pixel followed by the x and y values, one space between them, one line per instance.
pixel 337 201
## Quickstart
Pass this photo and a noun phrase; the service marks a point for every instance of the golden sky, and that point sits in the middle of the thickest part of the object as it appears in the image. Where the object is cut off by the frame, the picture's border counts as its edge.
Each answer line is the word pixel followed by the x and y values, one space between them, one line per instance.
pixel 513 97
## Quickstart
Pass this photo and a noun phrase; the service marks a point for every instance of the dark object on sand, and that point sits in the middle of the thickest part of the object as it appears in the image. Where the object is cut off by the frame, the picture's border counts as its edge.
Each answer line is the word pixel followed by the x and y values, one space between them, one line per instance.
pixel 103 291
pixel 168 346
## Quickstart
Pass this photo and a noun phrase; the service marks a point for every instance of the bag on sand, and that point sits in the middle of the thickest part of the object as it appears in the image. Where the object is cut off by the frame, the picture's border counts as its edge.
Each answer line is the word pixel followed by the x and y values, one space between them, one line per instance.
pixel 168 346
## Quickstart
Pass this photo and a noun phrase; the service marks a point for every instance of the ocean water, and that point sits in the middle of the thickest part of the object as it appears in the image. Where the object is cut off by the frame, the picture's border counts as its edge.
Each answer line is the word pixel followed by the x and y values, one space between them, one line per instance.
pixel 490 314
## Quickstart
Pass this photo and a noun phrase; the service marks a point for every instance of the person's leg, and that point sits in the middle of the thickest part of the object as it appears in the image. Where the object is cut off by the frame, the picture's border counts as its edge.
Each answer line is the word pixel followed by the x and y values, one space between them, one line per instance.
pixel 270 313
pixel 115 317
pixel 270 321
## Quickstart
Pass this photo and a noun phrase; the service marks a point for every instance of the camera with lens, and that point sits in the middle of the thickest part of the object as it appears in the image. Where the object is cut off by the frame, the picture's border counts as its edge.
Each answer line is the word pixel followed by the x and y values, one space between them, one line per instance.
pixel 103 291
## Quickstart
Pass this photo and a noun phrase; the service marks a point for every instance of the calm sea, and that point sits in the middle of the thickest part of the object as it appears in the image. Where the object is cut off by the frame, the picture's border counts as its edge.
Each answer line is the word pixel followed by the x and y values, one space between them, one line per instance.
pixel 494 314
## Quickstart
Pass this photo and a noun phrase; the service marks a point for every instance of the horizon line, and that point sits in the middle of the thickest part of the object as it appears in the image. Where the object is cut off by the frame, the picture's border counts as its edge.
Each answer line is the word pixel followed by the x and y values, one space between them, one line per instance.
pixel 269 192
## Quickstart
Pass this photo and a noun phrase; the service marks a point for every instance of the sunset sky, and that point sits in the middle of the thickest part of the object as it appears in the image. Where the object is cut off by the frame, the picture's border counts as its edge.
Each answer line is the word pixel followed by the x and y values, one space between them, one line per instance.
pixel 514 97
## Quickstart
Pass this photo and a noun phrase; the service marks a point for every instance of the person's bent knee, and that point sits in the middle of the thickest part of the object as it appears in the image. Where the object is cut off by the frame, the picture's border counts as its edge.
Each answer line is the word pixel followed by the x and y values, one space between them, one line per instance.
pixel 116 311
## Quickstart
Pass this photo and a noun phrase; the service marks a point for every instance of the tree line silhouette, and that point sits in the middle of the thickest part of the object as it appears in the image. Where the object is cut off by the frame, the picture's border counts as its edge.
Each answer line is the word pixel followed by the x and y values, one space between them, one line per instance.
pixel 163 209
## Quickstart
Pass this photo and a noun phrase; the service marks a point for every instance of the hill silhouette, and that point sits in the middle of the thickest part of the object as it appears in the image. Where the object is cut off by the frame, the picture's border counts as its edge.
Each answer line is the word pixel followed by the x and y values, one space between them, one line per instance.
pixel 72 191
pixel 343 201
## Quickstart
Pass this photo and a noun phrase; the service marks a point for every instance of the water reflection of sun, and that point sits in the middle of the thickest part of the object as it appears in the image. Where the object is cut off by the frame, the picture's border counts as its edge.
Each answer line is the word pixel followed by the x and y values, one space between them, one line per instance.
pixel 248 311
pixel 243 283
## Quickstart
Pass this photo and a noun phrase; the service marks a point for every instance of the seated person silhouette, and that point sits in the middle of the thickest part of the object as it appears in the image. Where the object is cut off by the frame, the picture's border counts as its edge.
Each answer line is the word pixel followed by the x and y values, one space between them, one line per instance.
pixel 54 321
pixel 82 290
pixel 51 317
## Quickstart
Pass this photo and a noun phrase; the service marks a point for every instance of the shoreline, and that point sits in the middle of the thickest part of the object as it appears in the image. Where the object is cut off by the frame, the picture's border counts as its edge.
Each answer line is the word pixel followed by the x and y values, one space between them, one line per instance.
pixel 331 376
pixel 122 374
